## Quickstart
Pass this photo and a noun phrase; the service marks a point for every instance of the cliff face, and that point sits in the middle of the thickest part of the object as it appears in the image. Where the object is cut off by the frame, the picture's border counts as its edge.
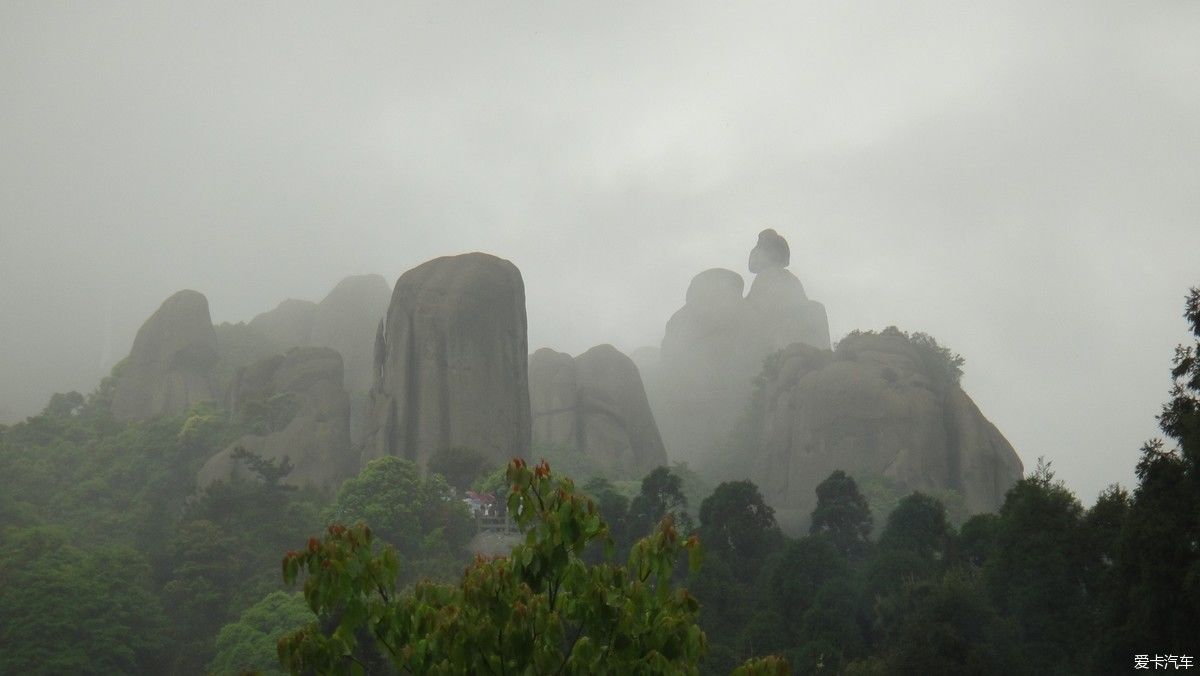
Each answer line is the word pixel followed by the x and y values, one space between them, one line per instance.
pixel 170 365
pixel 345 320
pixel 451 363
pixel 878 405
pixel 595 404
pixel 298 401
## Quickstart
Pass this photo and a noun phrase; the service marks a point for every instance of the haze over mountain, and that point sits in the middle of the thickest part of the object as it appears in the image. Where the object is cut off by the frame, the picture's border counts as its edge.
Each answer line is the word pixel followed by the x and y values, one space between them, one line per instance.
pixel 1019 182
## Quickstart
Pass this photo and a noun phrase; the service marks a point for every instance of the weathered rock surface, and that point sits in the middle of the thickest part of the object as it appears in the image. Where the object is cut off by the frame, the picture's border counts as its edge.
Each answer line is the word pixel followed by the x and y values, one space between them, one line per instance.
pixel 715 344
pixel 345 320
pixel 784 314
pixel 289 324
pixel 170 365
pixel 303 413
pixel 772 251
pixel 873 407
pixel 595 404
pixel 451 363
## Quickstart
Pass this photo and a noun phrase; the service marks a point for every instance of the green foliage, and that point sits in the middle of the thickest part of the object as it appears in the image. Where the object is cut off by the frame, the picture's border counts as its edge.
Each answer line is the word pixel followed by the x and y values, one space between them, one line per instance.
pixel 884 494
pixel 62 405
pixel 1036 571
pixel 419 516
pixel 739 526
pixel 250 644
pixel 220 555
pixel 661 495
pixel 540 610
pixel 613 506
pixel 64 610
pixel 805 566
pixel 270 414
pixel 1155 575
pixel 771 665
pixel 948 626
pixel 938 360
pixel 842 514
pixel 919 525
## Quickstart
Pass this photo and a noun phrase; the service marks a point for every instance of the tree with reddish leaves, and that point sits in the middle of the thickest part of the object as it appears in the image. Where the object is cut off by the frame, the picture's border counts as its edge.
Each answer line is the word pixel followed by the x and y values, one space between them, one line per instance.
pixel 543 609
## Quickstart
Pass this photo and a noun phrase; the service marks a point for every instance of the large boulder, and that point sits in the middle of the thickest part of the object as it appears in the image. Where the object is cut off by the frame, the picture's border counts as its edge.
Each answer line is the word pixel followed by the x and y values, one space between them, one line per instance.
pixel 451 363
pixel 771 252
pixel 289 324
pixel 595 404
pixel 170 365
pixel 881 405
pixel 346 321
pixel 714 347
pixel 783 314
pixel 707 361
pixel 299 410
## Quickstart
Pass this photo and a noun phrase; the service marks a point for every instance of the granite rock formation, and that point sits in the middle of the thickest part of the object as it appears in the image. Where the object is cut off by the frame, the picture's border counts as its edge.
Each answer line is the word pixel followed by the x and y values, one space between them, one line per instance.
pixel 170 365
pixel 300 411
pixel 772 251
pixel 878 405
pixel 715 344
pixel 451 363
pixel 289 324
pixel 595 404
pixel 346 321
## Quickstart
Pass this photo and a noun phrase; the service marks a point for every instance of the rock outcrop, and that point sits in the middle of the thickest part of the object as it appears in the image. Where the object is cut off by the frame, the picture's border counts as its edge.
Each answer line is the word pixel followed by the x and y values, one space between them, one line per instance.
pixel 772 251
pixel 170 365
pixel 595 404
pixel 300 411
pixel 880 405
pixel 289 324
pixel 346 321
pixel 451 363
pixel 715 344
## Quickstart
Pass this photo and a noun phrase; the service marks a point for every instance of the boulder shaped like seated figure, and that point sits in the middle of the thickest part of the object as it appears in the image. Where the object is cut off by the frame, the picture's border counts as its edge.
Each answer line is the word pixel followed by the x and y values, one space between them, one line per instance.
pixel 771 252
pixel 786 315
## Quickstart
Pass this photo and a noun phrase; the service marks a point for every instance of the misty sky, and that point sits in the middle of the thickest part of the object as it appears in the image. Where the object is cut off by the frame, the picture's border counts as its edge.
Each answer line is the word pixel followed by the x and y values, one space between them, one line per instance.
pixel 1019 181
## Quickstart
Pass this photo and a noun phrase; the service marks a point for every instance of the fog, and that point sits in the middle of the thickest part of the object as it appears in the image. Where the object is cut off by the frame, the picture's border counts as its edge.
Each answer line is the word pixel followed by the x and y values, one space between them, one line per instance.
pixel 1019 181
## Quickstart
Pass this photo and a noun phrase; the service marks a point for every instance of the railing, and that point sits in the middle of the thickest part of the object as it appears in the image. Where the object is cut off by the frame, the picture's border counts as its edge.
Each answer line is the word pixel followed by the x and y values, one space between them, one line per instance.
pixel 498 523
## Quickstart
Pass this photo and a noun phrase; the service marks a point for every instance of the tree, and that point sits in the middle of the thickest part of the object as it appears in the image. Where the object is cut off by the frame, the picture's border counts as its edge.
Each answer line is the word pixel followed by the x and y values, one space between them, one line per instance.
pixel 842 514
pixel 1036 571
pixel 947 626
pixel 540 610
pixel 63 405
pixel 913 546
pixel 738 525
pixel 250 644
pixel 614 507
pixel 661 494
pixel 805 566
pixel 1156 575
pixel 65 610
pixel 918 524
pixel 420 516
